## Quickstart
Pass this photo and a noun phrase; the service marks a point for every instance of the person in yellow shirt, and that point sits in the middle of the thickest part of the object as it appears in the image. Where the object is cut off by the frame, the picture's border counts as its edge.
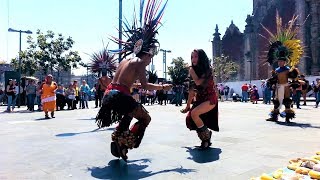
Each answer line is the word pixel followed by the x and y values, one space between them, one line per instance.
pixel 48 96
pixel 76 88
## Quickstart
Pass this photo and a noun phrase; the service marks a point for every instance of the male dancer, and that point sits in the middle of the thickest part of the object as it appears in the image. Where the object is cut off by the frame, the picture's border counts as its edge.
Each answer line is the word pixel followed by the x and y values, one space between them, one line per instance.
pixel 103 63
pixel 287 50
pixel 118 104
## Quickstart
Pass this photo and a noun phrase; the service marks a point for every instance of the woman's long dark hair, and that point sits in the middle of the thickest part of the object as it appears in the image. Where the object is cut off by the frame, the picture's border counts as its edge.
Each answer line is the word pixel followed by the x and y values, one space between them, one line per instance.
pixel 203 67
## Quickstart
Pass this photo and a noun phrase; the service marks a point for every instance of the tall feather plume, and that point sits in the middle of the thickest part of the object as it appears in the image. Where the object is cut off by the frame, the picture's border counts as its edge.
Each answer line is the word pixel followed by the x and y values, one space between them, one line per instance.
pixel 144 27
pixel 103 60
pixel 284 43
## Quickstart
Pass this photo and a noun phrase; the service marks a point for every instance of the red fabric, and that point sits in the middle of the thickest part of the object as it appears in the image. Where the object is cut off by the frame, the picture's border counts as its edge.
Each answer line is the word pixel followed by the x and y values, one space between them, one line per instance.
pixel 244 88
pixel 207 94
pixel 122 88
pixel 210 119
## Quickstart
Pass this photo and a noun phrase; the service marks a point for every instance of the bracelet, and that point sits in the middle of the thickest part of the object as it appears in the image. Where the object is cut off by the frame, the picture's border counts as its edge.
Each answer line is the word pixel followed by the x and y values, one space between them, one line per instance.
pixel 162 86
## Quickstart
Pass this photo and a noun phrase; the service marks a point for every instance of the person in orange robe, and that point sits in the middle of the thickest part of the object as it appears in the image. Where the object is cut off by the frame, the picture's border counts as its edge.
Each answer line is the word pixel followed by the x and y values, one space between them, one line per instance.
pixel 48 97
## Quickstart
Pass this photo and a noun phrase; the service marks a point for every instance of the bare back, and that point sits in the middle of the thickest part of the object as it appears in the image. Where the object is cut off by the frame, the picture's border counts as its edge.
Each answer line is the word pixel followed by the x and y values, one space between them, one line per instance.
pixel 129 70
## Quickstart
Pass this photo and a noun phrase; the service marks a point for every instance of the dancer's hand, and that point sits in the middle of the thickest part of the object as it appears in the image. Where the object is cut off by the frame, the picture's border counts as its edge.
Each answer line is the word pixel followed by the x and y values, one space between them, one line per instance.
pixel 167 87
pixel 185 110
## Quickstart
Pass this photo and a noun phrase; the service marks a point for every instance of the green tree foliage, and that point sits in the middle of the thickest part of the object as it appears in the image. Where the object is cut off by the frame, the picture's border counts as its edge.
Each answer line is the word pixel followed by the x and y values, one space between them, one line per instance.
pixel 179 71
pixel 224 69
pixel 47 53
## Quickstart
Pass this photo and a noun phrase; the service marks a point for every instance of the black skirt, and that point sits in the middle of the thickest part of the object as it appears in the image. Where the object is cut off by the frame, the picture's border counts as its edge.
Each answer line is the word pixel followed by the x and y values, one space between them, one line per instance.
pixel 115 106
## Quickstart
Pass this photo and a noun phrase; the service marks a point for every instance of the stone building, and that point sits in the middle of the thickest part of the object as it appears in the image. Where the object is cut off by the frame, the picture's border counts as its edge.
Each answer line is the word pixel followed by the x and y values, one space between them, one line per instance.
pixel 251 54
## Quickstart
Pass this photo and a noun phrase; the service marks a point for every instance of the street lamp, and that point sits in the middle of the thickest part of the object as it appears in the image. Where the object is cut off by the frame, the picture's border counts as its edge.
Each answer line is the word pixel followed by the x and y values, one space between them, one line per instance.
pixel 120 26
pixel 19 80
pixel 165 62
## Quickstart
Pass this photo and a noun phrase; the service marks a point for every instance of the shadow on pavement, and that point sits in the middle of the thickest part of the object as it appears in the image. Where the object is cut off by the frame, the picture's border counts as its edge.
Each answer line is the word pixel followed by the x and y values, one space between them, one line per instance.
pixel 135 169
pixel 42 119
pixel 73 134
pixel 295 124
pixel 203 156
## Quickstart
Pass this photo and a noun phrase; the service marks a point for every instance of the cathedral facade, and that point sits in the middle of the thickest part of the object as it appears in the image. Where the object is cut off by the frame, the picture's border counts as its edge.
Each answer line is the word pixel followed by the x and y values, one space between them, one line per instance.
pixel 248 49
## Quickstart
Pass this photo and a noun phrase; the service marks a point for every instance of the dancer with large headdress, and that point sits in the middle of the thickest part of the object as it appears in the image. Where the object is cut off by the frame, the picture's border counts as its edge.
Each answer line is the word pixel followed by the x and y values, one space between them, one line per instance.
pixel 104 65
pixel 286 49
pixel 118 105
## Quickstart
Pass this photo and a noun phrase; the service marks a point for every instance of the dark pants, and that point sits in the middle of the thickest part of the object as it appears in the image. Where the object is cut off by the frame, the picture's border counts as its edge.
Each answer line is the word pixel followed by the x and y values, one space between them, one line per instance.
pixel 75 102
pixel 61 101
pixel 31 98
pixel 70 103
pixel 97 99
pixel 178 98
pixel 297 97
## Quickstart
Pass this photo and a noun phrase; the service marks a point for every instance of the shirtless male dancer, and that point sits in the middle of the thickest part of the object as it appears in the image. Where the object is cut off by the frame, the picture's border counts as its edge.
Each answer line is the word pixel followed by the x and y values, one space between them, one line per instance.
pixel 118 104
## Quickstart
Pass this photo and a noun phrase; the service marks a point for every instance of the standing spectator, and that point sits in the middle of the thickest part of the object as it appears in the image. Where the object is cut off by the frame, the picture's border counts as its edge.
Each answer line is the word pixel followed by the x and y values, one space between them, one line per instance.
pixel 77 98
pixel 84 93
pixel 226 92
pixel 221 91
pixel 178 95
pixel 71 96
pixel 10 92
pixel 305 89
pixel 97 97
pixel 244 89
pixel 17 93
pixel 263 88
pixel 31 91
pixel 61 100
pixel 38 94
pixel 267 94
pixel 2 94
pixel 297 93
pixel 143 96
pixel 254 94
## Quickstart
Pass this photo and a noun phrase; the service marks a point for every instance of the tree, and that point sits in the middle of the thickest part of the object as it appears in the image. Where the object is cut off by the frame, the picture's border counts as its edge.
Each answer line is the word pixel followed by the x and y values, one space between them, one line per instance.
pixel 224 68
pixel 48 53
pixel 179 71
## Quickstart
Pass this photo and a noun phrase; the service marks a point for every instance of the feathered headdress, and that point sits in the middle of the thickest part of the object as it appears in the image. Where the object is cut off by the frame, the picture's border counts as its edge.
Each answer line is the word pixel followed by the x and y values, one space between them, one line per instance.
pixel 284 44
pixel 141 37
pixel 103 62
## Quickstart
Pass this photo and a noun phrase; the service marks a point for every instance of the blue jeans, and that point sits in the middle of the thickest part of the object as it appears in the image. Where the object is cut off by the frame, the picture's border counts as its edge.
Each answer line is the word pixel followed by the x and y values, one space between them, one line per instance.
pixel 178 98
pixel 11 102
pixel 244 96
pixel 84 101
pixel 31 98
pixel 39 102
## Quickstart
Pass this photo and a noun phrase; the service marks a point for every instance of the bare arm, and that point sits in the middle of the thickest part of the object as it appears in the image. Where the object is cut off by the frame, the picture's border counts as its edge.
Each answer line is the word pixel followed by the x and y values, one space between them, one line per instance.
pixel 198 81
pixel 149 86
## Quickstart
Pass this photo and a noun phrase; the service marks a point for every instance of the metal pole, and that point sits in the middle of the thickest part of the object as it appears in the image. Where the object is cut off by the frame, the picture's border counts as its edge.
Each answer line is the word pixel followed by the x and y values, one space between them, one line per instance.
pixel 120 26
pixel 165 65
pixel 19 80
pixel 250 70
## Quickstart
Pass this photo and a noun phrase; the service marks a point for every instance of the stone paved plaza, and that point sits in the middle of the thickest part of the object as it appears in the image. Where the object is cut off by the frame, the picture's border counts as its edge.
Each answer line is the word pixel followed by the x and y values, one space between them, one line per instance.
pixel 71 147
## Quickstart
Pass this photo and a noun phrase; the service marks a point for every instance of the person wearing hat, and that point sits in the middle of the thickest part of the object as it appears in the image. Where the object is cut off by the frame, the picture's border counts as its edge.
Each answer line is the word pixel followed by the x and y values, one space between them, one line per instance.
pixel 118 104
pixel 287 50
pixel 48 97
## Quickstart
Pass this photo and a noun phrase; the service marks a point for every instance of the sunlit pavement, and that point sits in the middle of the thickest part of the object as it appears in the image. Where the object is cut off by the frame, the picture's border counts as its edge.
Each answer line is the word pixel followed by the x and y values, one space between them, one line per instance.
pixel 71 147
